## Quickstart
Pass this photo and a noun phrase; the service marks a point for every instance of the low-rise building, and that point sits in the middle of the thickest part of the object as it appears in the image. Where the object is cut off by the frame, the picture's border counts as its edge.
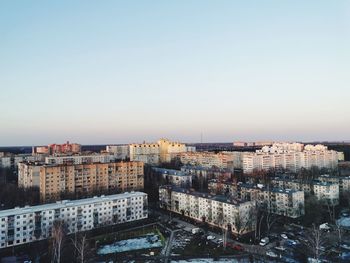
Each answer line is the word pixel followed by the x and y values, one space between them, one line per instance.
pixel 344 182
pixel 220 211
pixel 175 177
pixel 289 203
pixel 325 191
pixel 32 223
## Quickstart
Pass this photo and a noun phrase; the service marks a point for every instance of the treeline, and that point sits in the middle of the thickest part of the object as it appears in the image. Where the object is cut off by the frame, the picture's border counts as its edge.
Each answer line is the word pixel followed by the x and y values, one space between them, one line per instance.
pixel 11 196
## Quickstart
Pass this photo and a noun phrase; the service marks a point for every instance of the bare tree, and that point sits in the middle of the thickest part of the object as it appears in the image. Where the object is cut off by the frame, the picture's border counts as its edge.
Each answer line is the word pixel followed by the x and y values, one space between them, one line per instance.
pixel 316 240
pixel 57 240
pixel 243 221
pixel 340 232
pixel 81 247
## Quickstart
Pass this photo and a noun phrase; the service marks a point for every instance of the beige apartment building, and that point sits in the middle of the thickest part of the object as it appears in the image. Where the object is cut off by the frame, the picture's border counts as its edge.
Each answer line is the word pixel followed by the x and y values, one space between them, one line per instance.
pixel 154 153
pixel 236 216
pixel 207 159
pixel 82 178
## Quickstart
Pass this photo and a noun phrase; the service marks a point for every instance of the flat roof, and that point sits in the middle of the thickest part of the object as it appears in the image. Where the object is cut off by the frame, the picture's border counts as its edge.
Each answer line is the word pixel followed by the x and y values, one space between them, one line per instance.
pixel 170 171
pixel 68 203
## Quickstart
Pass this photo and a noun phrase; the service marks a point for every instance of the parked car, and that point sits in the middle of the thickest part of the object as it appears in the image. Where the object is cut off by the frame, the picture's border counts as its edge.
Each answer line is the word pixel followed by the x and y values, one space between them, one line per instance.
pixel 284 236
pixel 280 248
pixel 264 241
pixel 196 230
pixel 272 254
pixel 210 237
pixel 238 248
pixel 345 246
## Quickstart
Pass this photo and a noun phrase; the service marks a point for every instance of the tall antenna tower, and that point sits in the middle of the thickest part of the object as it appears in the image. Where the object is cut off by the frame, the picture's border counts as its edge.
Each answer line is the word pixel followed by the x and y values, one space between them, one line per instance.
pixel 201 137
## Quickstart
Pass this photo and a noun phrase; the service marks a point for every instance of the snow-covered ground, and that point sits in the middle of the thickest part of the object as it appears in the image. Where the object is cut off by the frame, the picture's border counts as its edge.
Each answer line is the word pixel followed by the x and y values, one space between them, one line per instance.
pixel 148 241
pixel 344 222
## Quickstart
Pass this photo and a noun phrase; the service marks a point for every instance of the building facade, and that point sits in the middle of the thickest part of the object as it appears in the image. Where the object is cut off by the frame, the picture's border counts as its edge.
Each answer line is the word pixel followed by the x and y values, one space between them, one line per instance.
pixel 53 180
pixel 235 216
pixel 175 177
pixel 324 191
pixel 33 223
pixel 279 201
pixel 51 149
pixel 207 159
pixel 120 152
pixel 162 151
pixel 291 157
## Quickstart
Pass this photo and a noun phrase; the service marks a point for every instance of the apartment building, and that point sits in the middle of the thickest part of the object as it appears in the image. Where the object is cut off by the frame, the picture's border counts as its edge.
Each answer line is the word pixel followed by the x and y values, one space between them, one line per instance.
pixel 33 223
pixel 327 191
pixel 175 177
pixel 52 180
pixel 207 159
pixel 219 187
pixel 160 152
pixel 344 182
pixel 80 159
pixel 279 201
pixel 208 173
pixel 218 211
pixel 291 157
pixel 51 149
pixel 120 152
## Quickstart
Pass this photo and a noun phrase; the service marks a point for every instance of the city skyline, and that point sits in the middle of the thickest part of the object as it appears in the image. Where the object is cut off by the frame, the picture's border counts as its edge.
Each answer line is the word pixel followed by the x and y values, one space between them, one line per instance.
pixel 131 72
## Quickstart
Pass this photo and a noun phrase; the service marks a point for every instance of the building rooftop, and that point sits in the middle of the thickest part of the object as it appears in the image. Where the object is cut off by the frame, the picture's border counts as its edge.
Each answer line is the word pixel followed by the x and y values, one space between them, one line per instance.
pixel 68 203
pixel 219 198
pixel 170 171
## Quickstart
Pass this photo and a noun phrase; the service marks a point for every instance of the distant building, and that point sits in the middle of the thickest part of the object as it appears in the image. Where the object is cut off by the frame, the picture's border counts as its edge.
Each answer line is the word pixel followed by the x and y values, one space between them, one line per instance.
pixel 175 177
pixel 235 216
pixel 344 182
pixel 121 152
pixel 207 159
pixel 291 157
pixel 32 223
pixel 81 159
pixel 154 153
pixel 207 173
pixel 53 180
pixel 251 144
pixel 66 148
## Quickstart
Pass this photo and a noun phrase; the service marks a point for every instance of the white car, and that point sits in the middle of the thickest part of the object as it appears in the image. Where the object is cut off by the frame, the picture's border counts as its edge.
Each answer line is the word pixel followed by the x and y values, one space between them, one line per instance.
pixel 284 236
pixel 345 246
pixel 280 248
pixel 264 241
pixel 210 237
pixel 271 254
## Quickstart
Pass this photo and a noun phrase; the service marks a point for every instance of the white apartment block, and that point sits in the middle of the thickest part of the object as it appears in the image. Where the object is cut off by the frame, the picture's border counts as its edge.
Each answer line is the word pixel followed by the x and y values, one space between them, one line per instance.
pixel 291 157
pixel 159 152
pixel 121 152
pixel 32 223
pixel 175 177
pixel 80 159
pixel 218 211
pixel 344 182
pixel 327 191
pixel 289 203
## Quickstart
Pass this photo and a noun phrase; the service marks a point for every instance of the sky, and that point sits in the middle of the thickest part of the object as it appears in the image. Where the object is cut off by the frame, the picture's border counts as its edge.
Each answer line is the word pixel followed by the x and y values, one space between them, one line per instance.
pixel 97 72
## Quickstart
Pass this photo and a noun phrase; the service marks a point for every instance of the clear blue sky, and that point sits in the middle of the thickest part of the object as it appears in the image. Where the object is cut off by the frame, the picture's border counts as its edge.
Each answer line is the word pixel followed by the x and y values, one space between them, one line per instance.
pixel 99 72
